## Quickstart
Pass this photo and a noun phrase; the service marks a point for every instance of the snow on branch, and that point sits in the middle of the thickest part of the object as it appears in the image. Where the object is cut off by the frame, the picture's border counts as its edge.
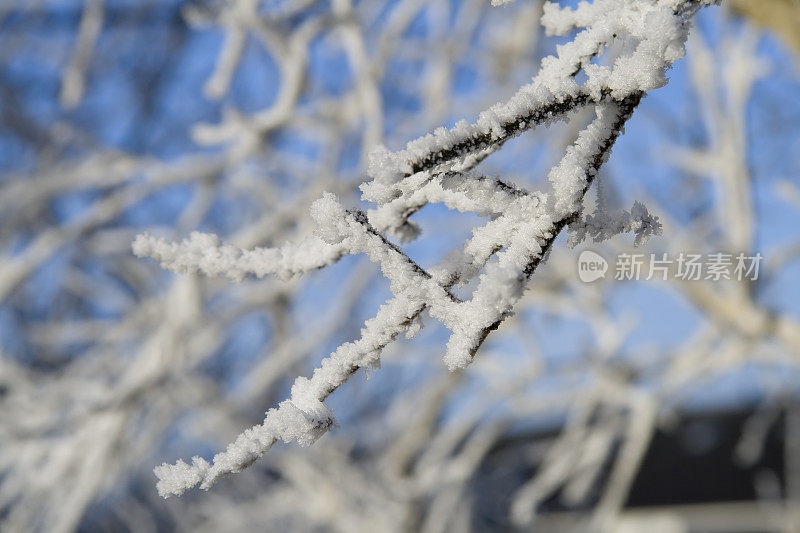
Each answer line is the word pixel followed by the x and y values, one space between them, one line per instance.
pixel 602 225
pixel 203 252
pixel 438 168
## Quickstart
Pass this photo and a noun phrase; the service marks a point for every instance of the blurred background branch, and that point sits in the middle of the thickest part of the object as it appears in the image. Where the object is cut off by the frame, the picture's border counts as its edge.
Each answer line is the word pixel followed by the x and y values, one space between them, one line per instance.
pixel 619 404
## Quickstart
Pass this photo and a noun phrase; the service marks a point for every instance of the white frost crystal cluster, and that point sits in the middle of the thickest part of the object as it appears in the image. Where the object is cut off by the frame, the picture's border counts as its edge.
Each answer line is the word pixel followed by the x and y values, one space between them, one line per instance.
pixel 439 168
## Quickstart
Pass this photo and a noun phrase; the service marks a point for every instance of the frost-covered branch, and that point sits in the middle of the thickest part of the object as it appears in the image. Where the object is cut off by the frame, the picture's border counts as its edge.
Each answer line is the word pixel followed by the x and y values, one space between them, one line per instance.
pixel 438 167
pixel 203 252
pixel 603 225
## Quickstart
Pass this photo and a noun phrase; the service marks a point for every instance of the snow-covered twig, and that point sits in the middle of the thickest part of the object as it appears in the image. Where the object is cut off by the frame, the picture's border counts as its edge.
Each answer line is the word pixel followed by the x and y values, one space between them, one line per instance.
pixel 205 253
pixel 437 168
